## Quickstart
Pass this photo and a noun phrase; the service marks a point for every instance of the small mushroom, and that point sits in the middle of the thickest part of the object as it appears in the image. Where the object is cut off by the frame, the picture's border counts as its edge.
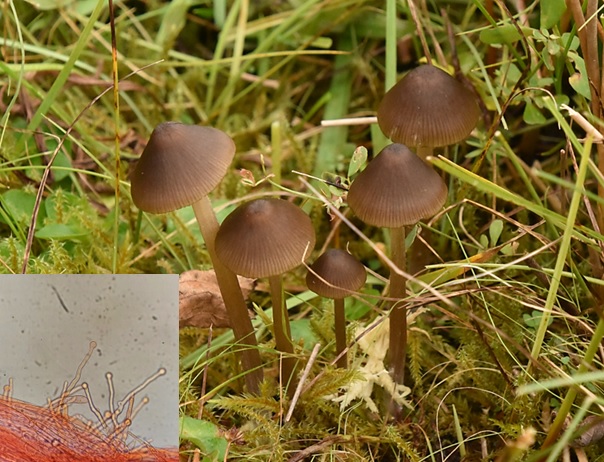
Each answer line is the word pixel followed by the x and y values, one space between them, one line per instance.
pixel 336 274
pixel 179 166
pixel 397 189
pixel 265 238
pixel 428 108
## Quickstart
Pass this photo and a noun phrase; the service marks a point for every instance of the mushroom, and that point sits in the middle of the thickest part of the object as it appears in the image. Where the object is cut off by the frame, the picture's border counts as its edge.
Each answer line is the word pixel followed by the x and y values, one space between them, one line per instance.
pixel 397 189
pixel 179 166
pixel 265 238
pixel 428 108
pixel 336 274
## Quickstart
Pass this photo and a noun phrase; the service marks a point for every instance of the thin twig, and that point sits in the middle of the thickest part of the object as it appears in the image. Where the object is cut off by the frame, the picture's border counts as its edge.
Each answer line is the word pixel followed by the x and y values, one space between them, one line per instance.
pixel 349 121
pixel 420 30
pixel 584 124
pixel 311 360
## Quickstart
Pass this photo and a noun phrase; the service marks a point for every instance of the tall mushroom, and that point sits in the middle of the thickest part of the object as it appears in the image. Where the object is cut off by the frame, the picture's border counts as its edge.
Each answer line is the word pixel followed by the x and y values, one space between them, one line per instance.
pixel 266 238
pixel 397 189
pixel 428 108
pixel 179 166
pixel 336 274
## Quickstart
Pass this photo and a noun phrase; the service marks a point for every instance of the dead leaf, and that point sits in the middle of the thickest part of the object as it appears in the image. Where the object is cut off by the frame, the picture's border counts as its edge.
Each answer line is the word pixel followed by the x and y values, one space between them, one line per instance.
pixel 200 302
pixel 592 429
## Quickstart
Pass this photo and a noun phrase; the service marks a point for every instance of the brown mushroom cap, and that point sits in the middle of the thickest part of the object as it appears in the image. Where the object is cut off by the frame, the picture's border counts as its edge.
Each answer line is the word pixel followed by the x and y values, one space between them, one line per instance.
pixel 340 269
pixel 429 108
pixel 180 165
pixel 396 189
pixel 265 237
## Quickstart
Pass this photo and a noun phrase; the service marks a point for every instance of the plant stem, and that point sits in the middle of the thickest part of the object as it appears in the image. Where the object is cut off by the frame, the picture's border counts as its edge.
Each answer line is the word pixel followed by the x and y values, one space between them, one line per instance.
pixel 276 152
pixel 283 335
pixel 340 325
pixel 232 296
pixel 378 139
pixel 117 139
pixel 398 312
pixel 563 251
pixel 420 30
pixel 391 42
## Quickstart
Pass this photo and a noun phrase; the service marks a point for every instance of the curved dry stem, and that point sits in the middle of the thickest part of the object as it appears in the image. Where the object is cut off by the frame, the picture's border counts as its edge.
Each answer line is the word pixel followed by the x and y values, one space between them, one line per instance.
pixel 232 296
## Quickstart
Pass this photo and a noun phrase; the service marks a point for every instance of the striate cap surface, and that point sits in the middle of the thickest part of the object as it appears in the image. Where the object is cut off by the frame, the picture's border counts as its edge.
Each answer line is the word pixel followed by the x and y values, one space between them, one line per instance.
pixel 343 272
pixel 180 165
pixel 428 108
pixel 265 237
pixel 396 189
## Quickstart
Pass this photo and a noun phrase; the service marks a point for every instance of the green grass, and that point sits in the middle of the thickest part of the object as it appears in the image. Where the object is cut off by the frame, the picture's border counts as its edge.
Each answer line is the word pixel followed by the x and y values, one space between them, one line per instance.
pixel 506 327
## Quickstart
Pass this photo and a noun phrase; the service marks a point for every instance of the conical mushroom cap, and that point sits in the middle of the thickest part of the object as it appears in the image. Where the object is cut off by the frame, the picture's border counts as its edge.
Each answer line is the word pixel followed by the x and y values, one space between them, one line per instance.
pixel 180 165
pixel 340 269
pixel 428 107
pixel 265 237
pixel 396 189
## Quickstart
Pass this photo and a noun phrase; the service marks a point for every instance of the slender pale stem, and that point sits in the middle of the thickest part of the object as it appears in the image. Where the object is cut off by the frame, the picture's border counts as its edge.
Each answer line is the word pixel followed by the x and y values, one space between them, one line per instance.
pixel 340 325
pixel 398 312
pixel 232 296
pixel 283 335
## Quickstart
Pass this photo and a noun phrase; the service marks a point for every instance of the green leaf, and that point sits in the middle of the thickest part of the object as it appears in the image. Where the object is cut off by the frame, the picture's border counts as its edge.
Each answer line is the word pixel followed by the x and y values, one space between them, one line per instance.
pixel 358 160
pixel 301 330
pixel 357 308
pixel 508 250
pixel 484 241
pixel 550 12
pixel 206 436
pixel 495 231
pixel 534 319
pixel 506 33
pixel 532 115
pixel 62 163
pixel 61 232
pixel 172 23
pixel 18 204
pixel 186 215
pixel 579 80
pixel 49 4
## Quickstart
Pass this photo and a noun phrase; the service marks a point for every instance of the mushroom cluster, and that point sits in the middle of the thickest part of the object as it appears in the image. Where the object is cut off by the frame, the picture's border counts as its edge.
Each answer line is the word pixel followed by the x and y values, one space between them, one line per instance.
pixel 266 238
pixel 426 109
pixel 180 165
pixel 397 189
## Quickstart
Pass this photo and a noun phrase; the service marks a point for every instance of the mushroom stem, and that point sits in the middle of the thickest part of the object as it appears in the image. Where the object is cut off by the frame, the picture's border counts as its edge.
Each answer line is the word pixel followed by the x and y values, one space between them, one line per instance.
pixel 232 296
pixel 340 324
pixel 283 335
pixel 398 312
pixel 424 152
